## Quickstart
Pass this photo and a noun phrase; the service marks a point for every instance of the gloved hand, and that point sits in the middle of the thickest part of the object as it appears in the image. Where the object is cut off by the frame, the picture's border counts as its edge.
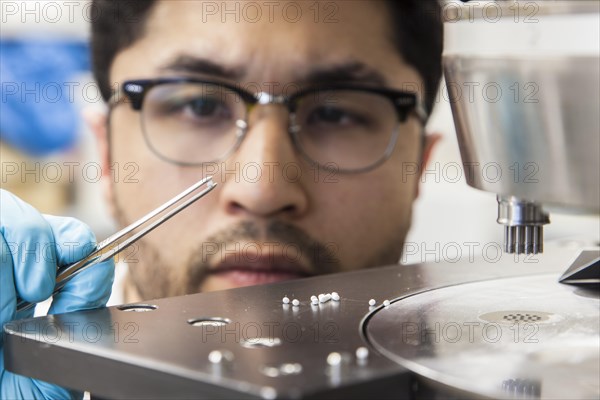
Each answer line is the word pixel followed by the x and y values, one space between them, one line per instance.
pixel 32 246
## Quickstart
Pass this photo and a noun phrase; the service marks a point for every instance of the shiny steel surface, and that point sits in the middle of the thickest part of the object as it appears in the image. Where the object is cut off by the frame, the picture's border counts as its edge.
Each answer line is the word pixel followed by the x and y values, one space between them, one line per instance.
pixel 245 342
pixel 543 145
pixel 523 82
pixel 541 341
pixel 489 9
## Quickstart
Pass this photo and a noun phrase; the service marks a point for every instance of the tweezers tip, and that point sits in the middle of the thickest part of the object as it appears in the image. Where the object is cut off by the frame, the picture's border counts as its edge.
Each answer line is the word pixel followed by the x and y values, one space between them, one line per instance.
pixel 210 183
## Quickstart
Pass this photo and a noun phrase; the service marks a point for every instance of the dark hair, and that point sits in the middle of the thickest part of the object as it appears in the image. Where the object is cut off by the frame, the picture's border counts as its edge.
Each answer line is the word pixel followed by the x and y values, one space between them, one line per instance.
pixel 416 28
pixel 116 24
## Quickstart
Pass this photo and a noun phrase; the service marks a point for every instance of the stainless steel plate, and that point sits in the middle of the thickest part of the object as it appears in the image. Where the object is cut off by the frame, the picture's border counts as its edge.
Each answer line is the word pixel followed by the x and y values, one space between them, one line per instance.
pixel 245 343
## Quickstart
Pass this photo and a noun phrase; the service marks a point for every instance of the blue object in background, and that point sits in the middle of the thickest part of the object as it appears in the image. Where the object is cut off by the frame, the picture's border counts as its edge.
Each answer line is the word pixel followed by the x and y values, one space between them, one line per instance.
pixel 38 115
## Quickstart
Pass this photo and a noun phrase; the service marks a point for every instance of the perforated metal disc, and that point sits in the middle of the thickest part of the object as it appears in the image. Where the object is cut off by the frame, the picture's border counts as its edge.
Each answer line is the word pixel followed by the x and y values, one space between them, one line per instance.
pixel 527 337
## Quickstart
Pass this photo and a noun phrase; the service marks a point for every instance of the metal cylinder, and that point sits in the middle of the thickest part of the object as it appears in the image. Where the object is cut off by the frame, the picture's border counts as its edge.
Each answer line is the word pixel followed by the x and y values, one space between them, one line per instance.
pixel 523 222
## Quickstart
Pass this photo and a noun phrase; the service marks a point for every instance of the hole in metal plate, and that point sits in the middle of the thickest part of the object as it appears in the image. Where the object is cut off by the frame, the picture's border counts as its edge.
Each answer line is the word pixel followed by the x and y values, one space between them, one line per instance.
pixel 260 342
pixel 137 307
pixel 284 369
pixel 516 316
pixel 209 321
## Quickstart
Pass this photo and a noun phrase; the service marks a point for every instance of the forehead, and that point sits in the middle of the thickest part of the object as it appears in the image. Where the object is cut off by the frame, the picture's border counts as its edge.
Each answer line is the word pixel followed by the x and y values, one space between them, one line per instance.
pixel 275 40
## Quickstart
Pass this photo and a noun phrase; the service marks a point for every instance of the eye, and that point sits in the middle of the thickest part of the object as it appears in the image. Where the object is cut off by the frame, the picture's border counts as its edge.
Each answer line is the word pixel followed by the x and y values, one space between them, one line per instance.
pixel 204 108
pixel 328 115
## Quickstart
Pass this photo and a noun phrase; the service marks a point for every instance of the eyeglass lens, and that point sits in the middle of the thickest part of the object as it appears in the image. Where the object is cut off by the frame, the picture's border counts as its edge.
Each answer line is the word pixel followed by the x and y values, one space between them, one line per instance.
pixel 196 123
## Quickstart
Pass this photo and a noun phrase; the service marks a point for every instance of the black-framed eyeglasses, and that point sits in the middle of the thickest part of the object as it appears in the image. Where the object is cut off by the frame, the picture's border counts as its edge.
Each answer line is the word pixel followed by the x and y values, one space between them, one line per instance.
pixel 346 128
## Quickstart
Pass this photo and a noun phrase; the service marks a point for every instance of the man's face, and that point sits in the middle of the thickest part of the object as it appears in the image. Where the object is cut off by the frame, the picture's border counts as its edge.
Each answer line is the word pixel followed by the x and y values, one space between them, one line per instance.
pixel 291 219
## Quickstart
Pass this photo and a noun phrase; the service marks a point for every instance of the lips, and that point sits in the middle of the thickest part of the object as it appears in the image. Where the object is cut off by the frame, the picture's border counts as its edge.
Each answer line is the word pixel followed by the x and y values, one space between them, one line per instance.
pixel 245 271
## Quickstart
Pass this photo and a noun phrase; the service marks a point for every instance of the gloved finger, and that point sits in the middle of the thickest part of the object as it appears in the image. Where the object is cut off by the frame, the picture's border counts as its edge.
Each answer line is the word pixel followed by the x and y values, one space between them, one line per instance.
pixel 74 239
pixel 31 247
pixel 92 287
pixel 8 299
pixel 51 391
pixel 89 289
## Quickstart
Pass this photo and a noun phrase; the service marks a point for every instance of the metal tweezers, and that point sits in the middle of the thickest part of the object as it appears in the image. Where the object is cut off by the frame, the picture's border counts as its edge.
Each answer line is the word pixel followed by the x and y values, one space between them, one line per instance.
pixel 118 242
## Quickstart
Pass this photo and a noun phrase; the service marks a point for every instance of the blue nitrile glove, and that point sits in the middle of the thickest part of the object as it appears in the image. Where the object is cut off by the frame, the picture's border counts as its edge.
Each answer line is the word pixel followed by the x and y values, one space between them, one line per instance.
pixel 32 245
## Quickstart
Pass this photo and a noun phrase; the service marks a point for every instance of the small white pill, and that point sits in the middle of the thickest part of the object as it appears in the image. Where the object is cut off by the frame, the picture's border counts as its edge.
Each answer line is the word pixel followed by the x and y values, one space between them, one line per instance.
pixel 220 356
pixel 335 296
pixel 215 357
pixel 362 353
pixel 334 359
pixel 314 301
pixel 325 298
pixel 313 298
pixel 286 300
pixel 267 392
pixel 295 302
pixel 386 303
pixel 372 302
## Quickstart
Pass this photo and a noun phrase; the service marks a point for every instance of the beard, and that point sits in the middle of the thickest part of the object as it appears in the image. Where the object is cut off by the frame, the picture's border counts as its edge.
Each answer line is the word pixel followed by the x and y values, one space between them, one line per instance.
pixel 154 277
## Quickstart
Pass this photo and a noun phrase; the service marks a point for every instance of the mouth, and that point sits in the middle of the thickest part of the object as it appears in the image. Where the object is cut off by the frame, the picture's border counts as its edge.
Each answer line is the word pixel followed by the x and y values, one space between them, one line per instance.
pixel 258 271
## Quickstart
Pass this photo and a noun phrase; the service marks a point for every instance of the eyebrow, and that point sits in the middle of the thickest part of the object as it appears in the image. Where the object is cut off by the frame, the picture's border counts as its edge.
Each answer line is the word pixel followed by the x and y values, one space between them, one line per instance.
pixel 347 72
pixel 198 65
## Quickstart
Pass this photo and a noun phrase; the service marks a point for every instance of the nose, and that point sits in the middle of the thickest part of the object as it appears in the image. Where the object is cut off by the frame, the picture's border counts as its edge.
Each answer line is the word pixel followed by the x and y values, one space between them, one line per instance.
pixel 263 178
